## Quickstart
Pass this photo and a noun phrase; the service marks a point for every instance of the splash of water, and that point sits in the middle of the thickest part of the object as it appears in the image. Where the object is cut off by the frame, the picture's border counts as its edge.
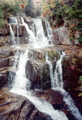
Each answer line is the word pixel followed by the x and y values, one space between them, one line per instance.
pixel 20 81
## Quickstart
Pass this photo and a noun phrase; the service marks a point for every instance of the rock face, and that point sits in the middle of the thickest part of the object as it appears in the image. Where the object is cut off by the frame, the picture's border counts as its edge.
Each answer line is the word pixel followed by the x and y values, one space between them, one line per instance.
pixel 18 108
pixel 38 73
pixel 72 70
pixel 37 69
pixel 61 36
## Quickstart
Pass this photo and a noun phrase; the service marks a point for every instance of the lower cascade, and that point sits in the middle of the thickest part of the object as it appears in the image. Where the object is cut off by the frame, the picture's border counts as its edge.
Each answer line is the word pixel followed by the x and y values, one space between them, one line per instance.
pixel 21 85
pixel 57 84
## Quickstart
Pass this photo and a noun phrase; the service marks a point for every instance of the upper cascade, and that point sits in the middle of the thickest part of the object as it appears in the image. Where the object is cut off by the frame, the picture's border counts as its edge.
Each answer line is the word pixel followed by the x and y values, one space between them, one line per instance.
pixel 38 31
pixel 13 20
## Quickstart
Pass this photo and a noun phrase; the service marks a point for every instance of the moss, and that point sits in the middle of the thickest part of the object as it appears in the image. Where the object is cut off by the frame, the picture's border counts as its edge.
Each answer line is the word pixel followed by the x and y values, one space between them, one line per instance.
pixel 52 55
pixel 74 60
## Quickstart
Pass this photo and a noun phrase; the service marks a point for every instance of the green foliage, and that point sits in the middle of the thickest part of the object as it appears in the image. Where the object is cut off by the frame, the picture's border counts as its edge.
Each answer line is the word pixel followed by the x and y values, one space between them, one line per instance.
pixel 80 39
pixel 80 79
pixel 1 18
pixel 79 26
pixel 10 9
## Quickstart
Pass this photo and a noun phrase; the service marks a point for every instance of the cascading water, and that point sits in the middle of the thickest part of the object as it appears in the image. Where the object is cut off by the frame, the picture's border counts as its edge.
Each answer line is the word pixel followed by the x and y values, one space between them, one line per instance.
pixel 49 32
pixel 13 20
pixel 30 32
pixel 12 36
pixel 36 35
pixel 57 84
pixel 14 39
pixel 21 83
pixel 58 73
pixel 18 42
pixel 41 39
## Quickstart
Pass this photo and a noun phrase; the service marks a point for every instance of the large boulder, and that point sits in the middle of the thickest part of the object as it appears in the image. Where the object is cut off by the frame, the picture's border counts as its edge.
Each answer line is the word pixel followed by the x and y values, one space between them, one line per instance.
pixel 15 107
pixel 38 74
pixel 61 36
pixel 37 69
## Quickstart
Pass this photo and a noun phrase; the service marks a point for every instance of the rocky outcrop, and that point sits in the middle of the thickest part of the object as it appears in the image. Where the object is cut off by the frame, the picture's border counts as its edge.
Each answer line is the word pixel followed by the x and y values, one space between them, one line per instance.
pixel 18 108
pixel 15 107
pixel 4 30
pixel 61 36
pixel 19 30
pixel 72 70
pixel 37 69
pixel 38 74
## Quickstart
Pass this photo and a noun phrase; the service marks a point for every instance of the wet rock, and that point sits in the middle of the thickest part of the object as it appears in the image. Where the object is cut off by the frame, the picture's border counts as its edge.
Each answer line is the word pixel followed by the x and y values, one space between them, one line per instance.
pixel 7 52
pixel 17 107
pixel 38 74
pixel 4 40
pixel 56 38
pixel 23 40
pixel 61 36
pixel 4 62
pixel 7 75
pixel 3 76
pixel 4 30
pixel 37 69
pixel 19 30
pixel 40 54
pixel 3 79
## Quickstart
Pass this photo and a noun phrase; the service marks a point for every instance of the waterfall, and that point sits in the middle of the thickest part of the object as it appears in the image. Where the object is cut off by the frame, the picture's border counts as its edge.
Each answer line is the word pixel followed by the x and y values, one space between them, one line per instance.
pixel 57 84
pixel 36 35
pixel 41 39
pixel 49 32
pixel 58 72
pixel 50 69
pixel 56 77
pixel 20 81
pixel 21 84
pixel 12 36
pixel 13 20
pixel 14 40
pixel 30 32
pixel 18 42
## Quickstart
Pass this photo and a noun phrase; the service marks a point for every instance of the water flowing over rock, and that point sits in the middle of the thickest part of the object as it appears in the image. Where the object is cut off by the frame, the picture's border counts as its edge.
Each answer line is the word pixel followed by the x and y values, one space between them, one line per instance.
pixel 32 80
